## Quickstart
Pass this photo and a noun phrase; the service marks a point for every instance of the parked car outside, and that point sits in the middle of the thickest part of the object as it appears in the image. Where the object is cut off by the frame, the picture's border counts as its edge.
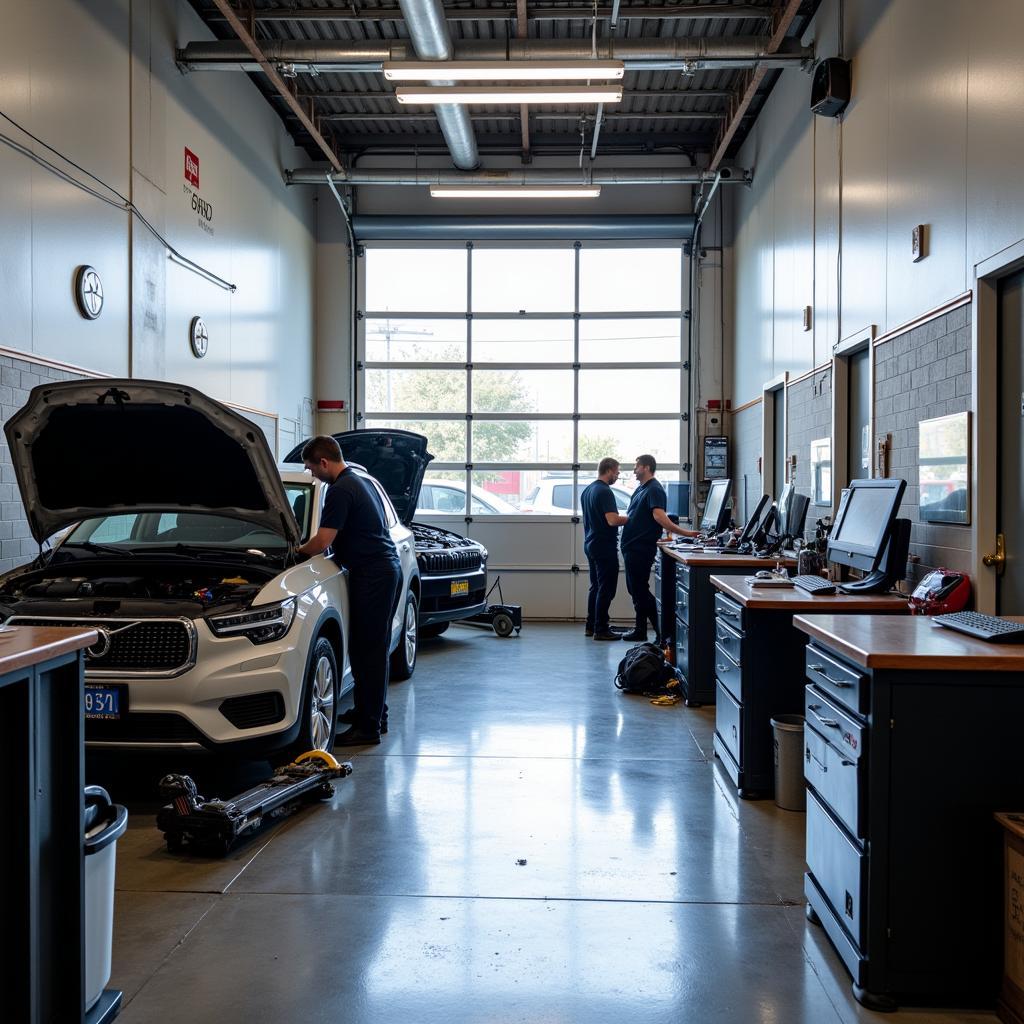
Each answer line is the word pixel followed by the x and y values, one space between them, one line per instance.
pixel 448 497
pixel 452 568
pixel 181 555
pixel 553 495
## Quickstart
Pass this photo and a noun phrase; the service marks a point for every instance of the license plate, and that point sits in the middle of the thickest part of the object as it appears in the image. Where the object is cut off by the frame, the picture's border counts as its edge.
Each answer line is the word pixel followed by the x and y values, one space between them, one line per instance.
pixel 101 702
pixel 460 587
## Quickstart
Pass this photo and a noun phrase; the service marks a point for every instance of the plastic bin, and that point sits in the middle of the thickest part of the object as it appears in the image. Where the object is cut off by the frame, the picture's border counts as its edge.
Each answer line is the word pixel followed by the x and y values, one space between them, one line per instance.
pixel 790 793
pixel 105 823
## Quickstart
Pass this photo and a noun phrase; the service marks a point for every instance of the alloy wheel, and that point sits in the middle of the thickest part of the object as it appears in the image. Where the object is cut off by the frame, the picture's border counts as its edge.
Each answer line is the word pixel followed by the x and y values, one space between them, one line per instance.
pixel 411 625
pixel 322 705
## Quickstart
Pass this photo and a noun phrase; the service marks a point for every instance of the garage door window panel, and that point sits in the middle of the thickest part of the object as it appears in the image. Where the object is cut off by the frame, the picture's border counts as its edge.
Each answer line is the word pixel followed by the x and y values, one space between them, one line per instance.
pixel 638 280
pixel 523 391
pixel 635 341
pixel 416 280
pixel 523 341
pixel 531 280
pixel 410 391
pixel 411 340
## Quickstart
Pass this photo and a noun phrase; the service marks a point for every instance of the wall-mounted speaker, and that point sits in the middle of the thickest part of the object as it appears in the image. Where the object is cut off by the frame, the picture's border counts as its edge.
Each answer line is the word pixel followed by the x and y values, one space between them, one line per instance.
pixel 830 87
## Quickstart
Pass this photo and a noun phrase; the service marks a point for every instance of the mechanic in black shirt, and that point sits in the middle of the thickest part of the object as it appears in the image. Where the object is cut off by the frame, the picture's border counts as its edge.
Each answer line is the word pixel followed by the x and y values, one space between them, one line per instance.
pixel 601 522
pixel 646 518
pixel 354 525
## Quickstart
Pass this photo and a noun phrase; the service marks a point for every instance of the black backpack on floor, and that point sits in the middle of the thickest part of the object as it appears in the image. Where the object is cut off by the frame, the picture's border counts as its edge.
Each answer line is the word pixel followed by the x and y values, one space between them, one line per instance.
pixel 645 670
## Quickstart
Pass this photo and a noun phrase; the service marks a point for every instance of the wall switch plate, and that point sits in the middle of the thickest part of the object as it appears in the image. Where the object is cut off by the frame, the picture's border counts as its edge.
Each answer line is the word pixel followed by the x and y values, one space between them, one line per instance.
pixel 808 318
pixel 917 243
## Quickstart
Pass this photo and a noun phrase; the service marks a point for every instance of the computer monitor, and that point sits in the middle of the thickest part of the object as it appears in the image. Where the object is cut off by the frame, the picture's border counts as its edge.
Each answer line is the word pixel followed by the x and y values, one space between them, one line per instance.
pixel 796 517
pixel 716 511
pixel 678 492
pixel 864 523
pixel 762 506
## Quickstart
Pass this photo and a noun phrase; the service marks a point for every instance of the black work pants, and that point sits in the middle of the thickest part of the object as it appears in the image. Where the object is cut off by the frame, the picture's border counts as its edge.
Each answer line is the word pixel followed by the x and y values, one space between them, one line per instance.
pixel 604 581
pixel 638 582
pixel 373 594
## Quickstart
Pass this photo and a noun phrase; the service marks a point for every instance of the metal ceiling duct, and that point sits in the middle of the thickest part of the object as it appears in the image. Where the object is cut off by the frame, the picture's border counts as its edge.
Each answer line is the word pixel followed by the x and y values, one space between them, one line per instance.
pixel 518 176
pixel 638 54
pixel 428 32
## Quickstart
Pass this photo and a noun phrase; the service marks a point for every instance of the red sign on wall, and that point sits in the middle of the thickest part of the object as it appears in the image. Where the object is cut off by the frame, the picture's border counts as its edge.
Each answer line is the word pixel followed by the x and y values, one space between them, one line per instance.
pixel 191 168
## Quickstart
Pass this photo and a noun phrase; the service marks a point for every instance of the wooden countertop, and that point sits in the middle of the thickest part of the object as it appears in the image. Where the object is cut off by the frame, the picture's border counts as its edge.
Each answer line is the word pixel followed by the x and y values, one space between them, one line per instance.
pixel 716 558
pixel 22 646
pixel 884 641
pixel 1012 822
pixel 796 600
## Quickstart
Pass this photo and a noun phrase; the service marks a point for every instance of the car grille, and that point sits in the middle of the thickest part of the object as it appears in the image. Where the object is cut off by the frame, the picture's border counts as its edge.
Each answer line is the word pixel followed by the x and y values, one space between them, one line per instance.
pixel 158 727
pixel 164 646
pixel 253 710
pixel 446 604
pixel 450 561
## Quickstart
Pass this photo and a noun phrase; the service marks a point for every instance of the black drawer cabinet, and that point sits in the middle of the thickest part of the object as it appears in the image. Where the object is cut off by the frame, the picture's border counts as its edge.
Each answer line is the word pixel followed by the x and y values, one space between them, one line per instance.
pixel 905 768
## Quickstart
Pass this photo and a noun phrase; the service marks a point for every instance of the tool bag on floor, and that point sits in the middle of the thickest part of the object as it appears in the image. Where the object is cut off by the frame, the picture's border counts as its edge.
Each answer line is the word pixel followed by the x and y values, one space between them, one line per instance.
pixel 645 670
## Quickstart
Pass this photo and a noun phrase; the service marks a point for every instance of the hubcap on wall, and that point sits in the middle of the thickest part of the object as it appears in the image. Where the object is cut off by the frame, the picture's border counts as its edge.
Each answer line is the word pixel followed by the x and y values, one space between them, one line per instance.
pixel 322 705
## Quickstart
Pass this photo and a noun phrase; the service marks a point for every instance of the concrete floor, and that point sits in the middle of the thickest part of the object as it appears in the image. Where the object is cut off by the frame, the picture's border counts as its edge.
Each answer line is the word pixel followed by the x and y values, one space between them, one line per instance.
pixel 649 892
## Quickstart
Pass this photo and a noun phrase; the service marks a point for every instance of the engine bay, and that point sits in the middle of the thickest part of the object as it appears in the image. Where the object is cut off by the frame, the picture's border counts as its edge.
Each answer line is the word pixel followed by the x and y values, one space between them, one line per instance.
pixel 168 590
pixel 433 538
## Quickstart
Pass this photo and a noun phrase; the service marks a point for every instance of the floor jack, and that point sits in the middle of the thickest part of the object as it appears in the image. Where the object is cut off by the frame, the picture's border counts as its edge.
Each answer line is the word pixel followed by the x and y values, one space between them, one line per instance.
pixel 214 826
pixel 502 618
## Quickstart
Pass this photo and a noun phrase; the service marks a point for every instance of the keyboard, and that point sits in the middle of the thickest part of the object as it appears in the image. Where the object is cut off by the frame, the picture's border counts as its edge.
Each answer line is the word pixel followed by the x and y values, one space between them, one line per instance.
pixel 984 627
pixel 814 584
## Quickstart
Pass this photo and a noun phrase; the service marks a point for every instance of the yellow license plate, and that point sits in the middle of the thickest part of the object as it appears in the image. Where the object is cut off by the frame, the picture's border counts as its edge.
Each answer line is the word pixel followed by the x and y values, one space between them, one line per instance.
pixel 460 587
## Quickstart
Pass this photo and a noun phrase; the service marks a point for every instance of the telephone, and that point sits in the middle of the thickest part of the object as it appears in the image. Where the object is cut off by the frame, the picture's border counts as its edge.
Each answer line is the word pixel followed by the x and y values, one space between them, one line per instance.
pixel 940 592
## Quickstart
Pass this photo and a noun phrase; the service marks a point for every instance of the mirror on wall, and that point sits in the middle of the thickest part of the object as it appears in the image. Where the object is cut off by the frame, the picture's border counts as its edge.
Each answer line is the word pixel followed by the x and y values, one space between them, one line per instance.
pixel 944 470
pixel 821 471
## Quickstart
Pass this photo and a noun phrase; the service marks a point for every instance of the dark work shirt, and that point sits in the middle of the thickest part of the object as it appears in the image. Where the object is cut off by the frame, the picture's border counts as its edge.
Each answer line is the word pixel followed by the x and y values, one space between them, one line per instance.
pixel 353 508
pixel 599 538
pixel 642 531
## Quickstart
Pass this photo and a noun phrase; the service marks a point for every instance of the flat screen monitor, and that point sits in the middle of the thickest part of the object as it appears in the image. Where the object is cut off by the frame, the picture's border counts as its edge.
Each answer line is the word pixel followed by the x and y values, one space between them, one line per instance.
pixel 716 512
pixel 864 522
pixel 760 509
pixel 796 517
pixel 678 492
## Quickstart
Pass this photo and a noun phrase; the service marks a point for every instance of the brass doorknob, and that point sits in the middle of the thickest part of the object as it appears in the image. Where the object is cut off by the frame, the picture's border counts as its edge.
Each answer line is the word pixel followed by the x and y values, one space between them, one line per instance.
pixel 997 560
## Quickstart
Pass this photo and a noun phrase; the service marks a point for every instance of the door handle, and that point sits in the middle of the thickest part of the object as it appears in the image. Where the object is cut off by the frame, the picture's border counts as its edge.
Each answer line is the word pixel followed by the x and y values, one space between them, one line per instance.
pixel 997 560
pixel 830 723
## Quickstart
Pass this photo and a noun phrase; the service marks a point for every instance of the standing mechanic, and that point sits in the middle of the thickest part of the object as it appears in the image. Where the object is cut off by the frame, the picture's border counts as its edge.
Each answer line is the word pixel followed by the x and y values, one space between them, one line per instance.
pixel 646 518
pixel 353 523
pixel 601 522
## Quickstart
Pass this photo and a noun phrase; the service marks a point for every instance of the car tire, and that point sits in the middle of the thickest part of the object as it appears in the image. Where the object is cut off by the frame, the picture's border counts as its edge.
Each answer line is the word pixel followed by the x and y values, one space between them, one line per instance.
pixel 318 713
pixel 435 629
pixel 403 658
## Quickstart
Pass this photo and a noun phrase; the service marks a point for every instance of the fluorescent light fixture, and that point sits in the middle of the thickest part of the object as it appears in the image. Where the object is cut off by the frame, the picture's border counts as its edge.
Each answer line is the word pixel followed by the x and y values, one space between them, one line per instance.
pixel 502 70
pixel 444 94
pixel 515 191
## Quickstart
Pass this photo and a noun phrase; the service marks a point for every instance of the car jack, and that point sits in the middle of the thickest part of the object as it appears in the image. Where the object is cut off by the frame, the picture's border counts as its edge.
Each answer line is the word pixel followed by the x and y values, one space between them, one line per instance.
pixel 214 826
pixel 502 618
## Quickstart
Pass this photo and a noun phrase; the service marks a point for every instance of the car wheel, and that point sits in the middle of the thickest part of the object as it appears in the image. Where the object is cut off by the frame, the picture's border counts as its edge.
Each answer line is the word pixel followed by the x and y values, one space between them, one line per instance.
pixel 403 658
pixel 435 629
pixel 318 715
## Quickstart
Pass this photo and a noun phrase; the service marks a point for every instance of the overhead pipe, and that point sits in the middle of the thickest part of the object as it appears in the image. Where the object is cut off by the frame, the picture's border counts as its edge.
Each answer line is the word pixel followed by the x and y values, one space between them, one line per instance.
pixel 429 35
pixel 518 176
pixel 316 56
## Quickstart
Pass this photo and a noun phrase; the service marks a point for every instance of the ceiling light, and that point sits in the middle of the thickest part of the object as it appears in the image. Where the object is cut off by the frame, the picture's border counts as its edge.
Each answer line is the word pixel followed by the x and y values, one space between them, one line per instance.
pixel 444 94
pixel 515 191
pixel 502 70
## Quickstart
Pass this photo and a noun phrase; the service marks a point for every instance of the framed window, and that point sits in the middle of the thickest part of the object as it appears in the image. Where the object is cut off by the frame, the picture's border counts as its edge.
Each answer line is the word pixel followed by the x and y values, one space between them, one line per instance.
pixel 519 363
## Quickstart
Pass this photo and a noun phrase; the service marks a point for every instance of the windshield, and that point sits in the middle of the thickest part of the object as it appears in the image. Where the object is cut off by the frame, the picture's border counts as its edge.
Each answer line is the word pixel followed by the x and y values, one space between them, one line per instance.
pixel 146 529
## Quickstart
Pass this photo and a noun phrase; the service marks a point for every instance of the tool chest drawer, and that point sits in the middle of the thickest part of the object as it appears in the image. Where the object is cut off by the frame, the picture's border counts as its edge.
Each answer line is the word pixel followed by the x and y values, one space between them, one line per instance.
pixel 729 611
pixel 729 640
pixel 682 648
pixel 682 602
pixel 728 673
pixel 728 723
pixel 837 779
pixel 837 679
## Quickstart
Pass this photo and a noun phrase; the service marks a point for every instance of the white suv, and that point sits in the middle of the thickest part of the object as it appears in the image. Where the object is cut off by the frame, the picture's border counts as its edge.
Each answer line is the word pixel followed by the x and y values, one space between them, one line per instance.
pixel 212 634
pixel 554 496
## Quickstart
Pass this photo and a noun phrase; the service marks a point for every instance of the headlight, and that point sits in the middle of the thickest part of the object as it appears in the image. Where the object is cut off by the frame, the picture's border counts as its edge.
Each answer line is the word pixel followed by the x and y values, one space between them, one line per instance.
pixel 261 625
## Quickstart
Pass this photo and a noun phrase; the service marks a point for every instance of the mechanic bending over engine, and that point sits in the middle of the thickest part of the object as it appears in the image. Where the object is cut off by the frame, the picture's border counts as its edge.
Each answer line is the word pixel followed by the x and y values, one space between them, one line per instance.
pixel 354 526
pixel 646 519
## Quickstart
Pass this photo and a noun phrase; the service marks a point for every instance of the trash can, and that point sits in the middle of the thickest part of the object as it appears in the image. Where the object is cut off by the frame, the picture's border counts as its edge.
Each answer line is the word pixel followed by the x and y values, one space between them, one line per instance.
pixel 790 793
pixel 105 823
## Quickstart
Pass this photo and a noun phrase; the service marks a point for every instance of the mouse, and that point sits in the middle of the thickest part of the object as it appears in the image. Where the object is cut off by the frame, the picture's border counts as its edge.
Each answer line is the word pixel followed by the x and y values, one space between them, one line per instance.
pixel 763 574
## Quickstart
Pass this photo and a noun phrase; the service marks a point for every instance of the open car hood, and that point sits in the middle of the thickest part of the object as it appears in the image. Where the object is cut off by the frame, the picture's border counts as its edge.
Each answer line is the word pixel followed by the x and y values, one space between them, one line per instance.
pixel 397 458
pixel 88 448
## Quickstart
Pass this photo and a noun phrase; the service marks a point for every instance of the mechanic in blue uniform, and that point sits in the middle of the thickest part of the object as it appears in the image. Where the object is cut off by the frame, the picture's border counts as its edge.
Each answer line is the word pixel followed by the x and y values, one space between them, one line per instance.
pixel 601 522
pixel 354 525
pixel 646 518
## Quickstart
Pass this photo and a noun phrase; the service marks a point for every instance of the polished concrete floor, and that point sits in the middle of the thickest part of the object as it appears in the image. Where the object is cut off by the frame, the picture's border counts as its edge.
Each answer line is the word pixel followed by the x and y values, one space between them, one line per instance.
pixel 527 845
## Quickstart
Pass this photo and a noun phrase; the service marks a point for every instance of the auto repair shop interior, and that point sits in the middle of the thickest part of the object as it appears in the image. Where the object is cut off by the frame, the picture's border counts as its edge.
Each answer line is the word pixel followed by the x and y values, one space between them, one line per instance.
pixel 774 246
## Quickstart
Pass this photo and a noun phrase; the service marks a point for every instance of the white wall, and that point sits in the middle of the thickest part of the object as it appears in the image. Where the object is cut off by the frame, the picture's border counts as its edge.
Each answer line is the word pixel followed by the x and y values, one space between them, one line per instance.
pixel 96 79
pixel 933 136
